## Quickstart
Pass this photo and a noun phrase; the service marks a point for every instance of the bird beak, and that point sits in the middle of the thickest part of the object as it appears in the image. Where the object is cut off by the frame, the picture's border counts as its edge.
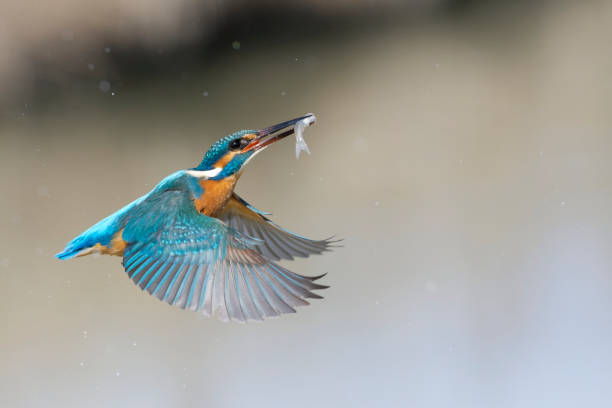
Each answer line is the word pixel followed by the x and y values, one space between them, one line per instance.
pixel 269 135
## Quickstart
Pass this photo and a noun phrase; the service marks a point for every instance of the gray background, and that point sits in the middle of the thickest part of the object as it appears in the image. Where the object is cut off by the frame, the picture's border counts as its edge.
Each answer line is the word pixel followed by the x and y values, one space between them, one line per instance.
pixel 462 151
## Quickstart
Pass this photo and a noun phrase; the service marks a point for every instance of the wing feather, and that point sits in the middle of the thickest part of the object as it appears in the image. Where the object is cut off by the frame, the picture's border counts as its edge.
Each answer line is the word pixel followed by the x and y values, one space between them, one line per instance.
pixel 259 296
pixel 278 243
pixel 200 263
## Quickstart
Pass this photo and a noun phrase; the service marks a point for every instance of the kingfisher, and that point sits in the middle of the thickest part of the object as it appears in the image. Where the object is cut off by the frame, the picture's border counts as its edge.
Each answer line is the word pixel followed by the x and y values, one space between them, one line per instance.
pixel 194 243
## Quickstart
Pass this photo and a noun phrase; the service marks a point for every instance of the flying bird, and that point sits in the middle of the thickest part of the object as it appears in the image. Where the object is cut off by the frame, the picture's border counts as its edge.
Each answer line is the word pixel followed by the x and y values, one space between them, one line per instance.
pixel 194 243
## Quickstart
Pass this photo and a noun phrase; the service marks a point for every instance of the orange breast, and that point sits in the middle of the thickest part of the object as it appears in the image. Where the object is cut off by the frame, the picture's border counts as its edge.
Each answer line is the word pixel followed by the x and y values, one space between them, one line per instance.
pixel 216 194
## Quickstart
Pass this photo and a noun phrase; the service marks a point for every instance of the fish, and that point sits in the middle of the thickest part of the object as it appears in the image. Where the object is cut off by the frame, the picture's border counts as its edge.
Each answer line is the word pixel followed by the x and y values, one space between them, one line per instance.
pixel 300 143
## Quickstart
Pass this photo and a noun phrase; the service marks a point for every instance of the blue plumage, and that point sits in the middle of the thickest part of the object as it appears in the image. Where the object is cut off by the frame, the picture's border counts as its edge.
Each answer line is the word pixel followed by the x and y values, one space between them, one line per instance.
pixel 103 232
pixel 217 263
pixel 100 233
pixel 219 149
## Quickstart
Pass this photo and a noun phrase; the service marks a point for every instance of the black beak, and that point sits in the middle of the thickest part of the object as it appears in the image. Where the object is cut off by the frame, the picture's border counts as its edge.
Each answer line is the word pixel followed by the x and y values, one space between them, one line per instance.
pixel 268 135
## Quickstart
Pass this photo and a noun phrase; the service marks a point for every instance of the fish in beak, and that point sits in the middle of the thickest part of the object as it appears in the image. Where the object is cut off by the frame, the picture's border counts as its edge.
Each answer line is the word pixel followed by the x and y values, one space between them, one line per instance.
pixel 269 135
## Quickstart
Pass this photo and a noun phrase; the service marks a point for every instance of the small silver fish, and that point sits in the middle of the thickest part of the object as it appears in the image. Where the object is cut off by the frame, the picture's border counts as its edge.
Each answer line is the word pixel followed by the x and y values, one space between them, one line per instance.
pixel 300 143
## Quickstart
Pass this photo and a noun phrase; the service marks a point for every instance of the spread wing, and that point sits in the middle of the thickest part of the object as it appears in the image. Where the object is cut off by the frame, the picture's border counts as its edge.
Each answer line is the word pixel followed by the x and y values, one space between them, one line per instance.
pixel 196 262
pixel 277 243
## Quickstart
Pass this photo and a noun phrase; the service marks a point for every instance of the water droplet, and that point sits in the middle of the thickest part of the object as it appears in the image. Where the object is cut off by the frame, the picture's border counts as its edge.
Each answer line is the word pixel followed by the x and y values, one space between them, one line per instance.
pixel 42 191
pixel 91 67
pixel 107 50
pixel 236 45
pixel 283 93
pixel 117 373
pixel 205 93
pixel 104 86
pixel 82 363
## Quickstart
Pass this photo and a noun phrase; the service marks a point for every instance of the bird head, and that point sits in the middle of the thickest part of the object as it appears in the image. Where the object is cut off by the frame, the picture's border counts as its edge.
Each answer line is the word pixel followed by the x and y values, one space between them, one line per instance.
pixel 229 155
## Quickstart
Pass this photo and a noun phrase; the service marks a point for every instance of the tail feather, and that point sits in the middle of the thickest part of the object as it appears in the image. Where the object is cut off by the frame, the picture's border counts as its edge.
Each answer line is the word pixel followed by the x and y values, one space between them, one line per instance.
pixel 74 247
pixel 101 233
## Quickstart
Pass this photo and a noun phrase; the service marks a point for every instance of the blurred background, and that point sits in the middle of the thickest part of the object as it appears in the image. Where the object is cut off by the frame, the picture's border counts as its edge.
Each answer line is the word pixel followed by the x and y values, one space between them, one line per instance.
pixel 462 150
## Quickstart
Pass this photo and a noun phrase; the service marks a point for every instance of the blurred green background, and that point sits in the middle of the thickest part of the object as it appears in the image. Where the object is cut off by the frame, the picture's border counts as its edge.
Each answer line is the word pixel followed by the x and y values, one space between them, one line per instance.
pixel 462 150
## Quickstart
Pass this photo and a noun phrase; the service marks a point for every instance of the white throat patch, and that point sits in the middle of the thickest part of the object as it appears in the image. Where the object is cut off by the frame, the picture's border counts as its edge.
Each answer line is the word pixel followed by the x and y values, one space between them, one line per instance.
pixel 205 173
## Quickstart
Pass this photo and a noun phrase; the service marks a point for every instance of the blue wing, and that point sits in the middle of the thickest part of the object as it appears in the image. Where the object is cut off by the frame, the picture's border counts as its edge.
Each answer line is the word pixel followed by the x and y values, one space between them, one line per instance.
pixel 197 262
pixel 277 242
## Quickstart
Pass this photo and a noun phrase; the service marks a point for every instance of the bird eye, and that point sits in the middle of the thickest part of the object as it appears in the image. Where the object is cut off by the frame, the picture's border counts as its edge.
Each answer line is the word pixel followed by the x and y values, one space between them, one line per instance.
pixel 235 144
pixel 238 144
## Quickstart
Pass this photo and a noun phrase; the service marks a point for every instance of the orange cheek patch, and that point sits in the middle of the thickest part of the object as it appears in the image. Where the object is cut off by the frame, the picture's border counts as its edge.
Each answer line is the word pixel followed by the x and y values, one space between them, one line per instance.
pixel 222 162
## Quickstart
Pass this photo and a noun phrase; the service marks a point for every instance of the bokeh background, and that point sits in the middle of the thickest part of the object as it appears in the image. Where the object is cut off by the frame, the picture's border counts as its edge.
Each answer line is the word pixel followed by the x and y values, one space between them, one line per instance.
pixel 462 151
